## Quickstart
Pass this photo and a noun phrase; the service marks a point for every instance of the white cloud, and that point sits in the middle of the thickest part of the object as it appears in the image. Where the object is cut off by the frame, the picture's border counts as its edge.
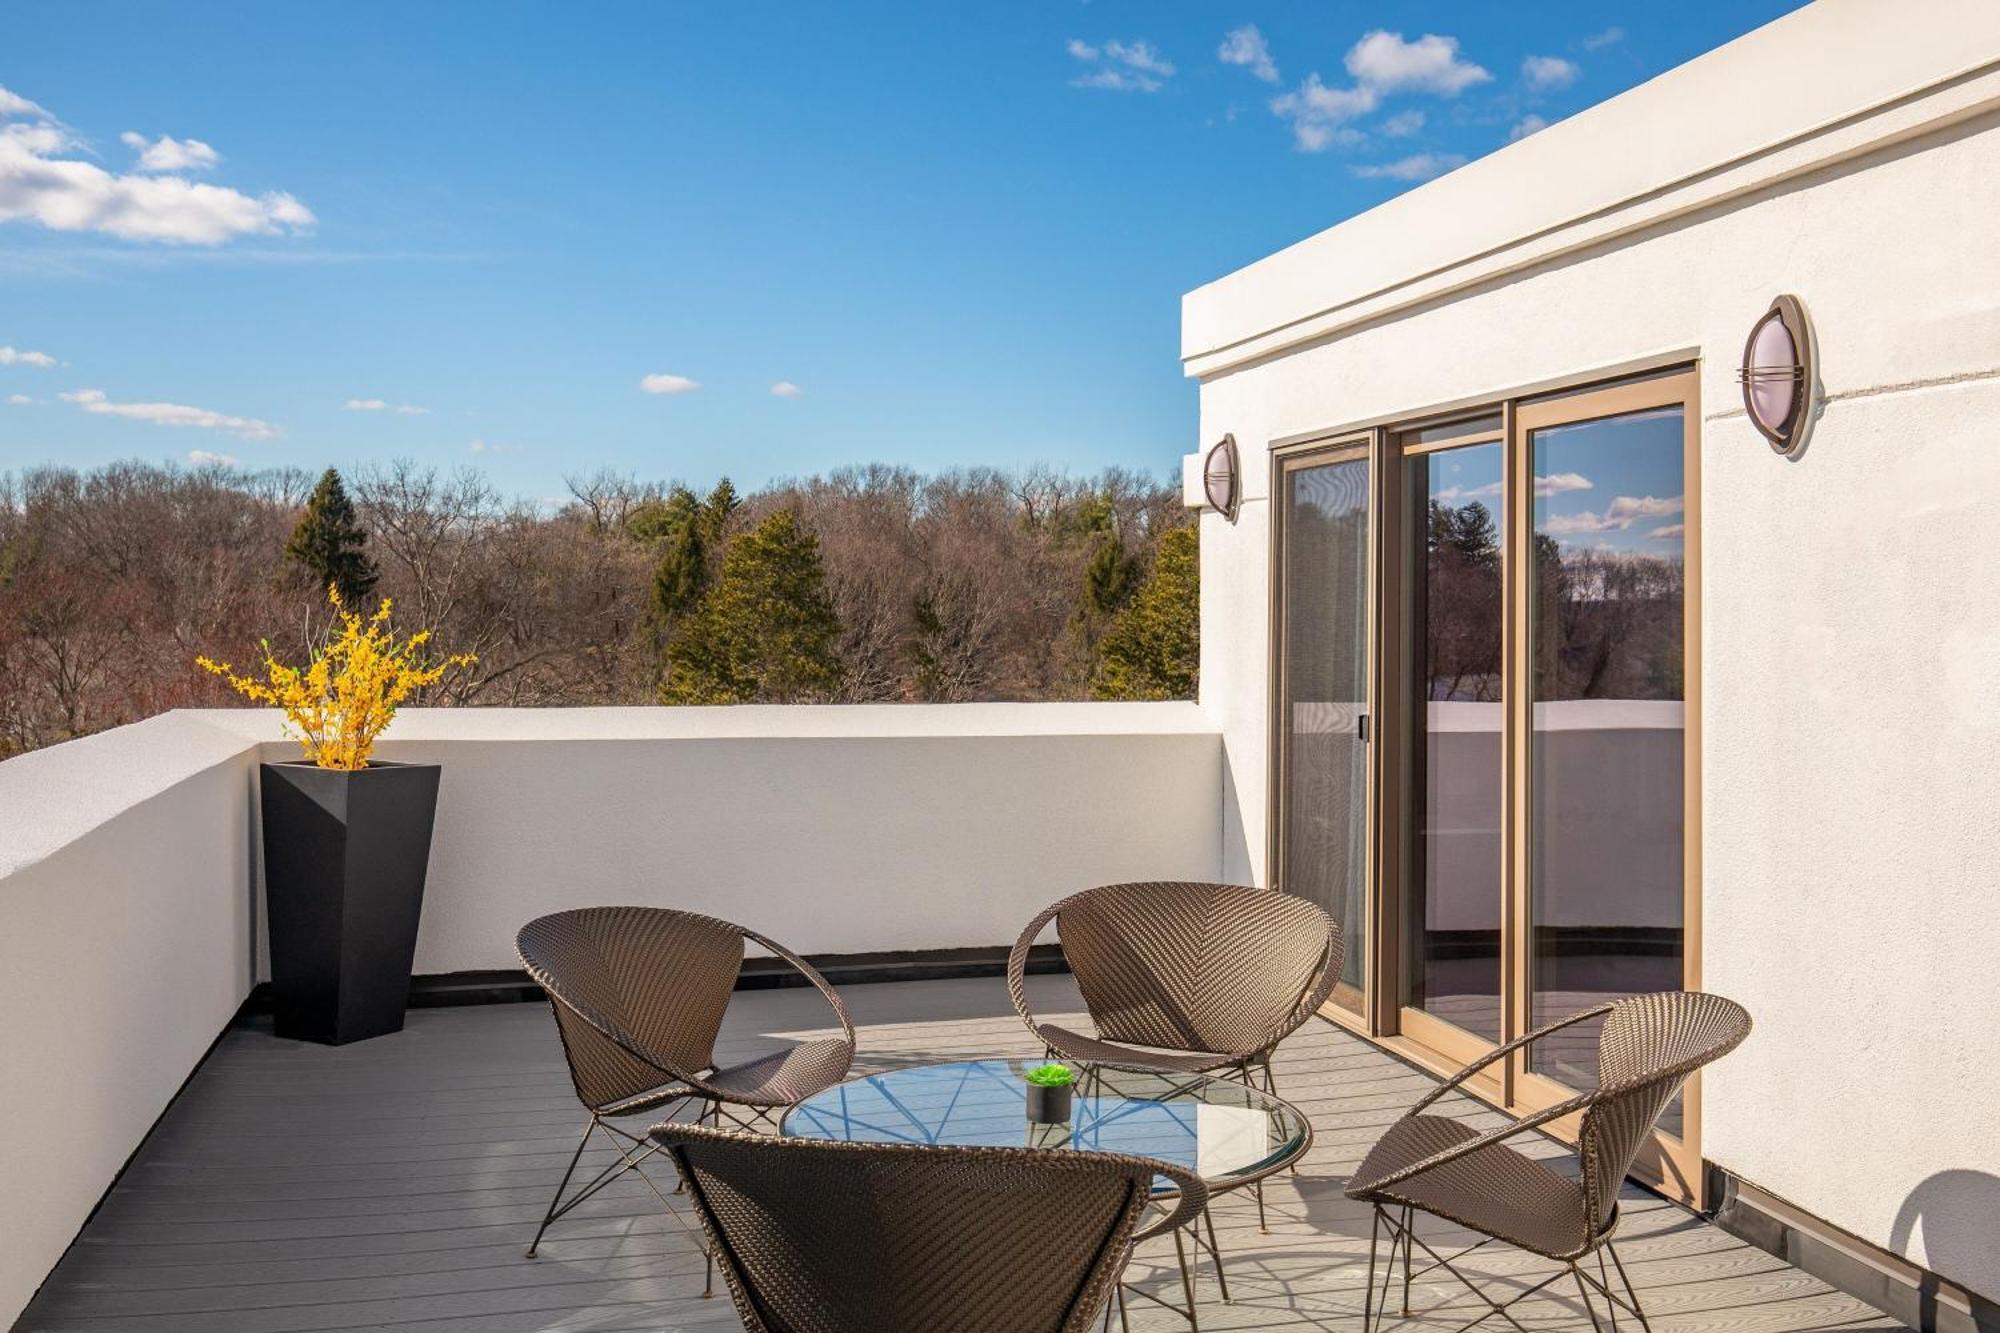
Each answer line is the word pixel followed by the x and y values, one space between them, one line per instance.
pixel 489 447
pixel 19 399
pixel 1560 483
pixel 380 405
pixel 1415 167
pixel 1621 514
pixel 13 104
pixel 1318 113
pixel 1547 73
pixel 172 414
pixel 668 384
pixel 1403 124
pixel 203 458
pixel 785 389
pixel 167 153
pixel 13 356
pixel 1669 532
pixel 1382 63
pixel 1246 46
pixel 1525 126
pixel 1597 41
pixel 1387 63
pixel 44 180
pixel 1121 67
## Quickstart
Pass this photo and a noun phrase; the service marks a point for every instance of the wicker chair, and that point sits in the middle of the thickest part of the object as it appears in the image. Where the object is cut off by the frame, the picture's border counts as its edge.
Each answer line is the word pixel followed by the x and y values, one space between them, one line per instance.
pixel 1184 978
pixel 639 994
pixel 831 1237
pixel 1647 1049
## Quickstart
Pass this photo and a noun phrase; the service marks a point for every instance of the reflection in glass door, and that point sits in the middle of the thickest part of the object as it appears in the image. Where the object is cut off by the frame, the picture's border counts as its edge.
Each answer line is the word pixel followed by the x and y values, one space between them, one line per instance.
pixel 1323 715
pixel 1607 808
pixel 1455 857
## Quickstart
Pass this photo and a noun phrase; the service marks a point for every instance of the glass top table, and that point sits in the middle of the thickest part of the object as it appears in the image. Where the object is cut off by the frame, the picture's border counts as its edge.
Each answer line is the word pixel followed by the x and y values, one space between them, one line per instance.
pixel 1224 1132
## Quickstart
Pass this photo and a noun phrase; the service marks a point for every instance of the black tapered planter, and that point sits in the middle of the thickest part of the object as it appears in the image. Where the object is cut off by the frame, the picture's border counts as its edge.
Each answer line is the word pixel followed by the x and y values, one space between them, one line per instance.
pixel 344 858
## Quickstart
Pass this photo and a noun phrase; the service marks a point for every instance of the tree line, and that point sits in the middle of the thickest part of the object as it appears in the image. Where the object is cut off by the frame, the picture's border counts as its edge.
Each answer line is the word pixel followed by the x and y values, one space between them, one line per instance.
pixel 867 584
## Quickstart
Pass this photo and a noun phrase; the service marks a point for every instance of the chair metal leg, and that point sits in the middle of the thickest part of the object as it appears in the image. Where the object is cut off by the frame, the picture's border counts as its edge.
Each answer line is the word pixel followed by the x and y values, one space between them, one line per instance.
pixel 1187 1280
pixel 1632 1292
pixel 1368 1296
pixel 1409 1234
pixel 575 1157
pixel 1215 1253
pixel 1583 1293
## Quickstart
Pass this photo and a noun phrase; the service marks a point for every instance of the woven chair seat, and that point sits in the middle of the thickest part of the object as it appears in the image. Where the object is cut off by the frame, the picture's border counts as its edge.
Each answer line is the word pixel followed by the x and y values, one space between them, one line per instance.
pixel 1495 1190
pixel 1096 1051
pixel 786 1076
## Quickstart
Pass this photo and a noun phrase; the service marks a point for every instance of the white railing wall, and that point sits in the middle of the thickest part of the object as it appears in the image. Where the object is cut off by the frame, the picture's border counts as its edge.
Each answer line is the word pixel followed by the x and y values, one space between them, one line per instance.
pixel 129 923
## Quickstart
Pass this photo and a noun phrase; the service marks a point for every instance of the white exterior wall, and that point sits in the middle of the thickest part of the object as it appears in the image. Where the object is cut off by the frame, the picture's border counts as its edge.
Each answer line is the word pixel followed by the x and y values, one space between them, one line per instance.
pixel 1850 598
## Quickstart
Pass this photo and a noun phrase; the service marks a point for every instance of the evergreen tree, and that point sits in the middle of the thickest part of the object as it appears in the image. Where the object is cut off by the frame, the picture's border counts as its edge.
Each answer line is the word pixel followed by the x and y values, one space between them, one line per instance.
pixel 691 533
pixel 1153 648
pixel 766 632
pixel 1110 577
pixel 327 544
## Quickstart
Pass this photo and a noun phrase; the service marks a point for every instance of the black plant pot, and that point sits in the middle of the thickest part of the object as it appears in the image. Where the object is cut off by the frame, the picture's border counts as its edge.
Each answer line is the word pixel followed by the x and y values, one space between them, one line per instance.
pixel 344 860
pixel 1050 1105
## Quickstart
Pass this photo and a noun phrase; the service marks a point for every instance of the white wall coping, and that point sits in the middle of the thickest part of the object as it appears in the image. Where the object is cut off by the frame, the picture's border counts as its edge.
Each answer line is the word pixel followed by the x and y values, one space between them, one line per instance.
pixel 752 721
pixel 1813 88
pixel 49 798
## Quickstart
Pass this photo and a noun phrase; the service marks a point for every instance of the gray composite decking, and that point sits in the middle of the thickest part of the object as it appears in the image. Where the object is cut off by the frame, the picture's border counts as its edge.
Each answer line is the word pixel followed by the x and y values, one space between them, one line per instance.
pixel 393 1184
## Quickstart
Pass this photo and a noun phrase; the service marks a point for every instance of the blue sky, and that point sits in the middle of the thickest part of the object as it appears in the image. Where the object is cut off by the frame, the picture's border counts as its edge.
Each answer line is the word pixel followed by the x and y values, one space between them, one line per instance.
pixel 961 235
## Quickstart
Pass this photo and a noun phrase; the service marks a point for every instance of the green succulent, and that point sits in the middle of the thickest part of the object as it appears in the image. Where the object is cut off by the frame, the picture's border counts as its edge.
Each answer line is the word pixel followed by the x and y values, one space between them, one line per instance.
pixel 1051 1076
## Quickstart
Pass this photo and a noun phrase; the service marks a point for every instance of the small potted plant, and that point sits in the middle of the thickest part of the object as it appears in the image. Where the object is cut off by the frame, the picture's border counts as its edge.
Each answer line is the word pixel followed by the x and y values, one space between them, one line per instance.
pixel 347 838
pixel 1051 1088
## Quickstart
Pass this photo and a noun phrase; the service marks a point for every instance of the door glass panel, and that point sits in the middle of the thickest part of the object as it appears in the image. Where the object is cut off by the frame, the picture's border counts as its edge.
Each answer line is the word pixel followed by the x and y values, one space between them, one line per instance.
pixel 1609 669
pixel 1455 855
pixel 1326 683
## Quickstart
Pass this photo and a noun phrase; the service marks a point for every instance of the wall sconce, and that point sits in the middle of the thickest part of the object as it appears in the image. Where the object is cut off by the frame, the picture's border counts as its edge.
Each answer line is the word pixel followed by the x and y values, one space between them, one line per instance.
pixel 1778 375
pixel 1219 478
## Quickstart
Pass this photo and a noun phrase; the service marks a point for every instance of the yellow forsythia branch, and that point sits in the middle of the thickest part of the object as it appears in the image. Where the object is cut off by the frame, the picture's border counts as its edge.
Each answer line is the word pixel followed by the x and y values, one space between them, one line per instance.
pixel 341 700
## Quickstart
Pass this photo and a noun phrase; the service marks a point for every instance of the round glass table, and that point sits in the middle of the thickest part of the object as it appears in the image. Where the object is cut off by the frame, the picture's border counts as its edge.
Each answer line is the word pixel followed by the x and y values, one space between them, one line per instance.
pixel 1228 1134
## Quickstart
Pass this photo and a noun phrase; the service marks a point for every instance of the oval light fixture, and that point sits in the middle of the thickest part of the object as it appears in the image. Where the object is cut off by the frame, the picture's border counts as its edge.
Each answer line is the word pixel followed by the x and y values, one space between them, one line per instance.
pixel 1778 375
pixel 1218 477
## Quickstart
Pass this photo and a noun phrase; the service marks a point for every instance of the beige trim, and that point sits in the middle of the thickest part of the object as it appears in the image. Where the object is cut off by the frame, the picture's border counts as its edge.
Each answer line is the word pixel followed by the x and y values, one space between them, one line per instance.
pixel 1496 398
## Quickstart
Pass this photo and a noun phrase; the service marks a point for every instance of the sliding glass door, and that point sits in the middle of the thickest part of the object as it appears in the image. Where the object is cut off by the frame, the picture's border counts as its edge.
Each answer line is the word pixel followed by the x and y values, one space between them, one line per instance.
pixel 1607 770
pixel 1454 849
pixel 1323 682
pixel 1512 594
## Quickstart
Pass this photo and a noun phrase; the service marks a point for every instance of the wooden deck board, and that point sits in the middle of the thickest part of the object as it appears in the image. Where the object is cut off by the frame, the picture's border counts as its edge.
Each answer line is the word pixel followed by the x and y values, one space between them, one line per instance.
pixel 393 1185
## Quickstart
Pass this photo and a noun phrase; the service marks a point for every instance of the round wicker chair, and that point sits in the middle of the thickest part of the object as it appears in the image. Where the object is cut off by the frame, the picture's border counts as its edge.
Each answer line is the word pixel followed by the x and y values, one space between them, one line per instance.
pixel 1647 1049
pixel 832 1237
pixel 639 995
pixel 1185 977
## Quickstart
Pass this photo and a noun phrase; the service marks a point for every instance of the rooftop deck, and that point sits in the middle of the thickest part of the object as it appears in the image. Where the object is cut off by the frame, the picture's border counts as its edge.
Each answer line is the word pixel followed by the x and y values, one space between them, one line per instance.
pixel 393 1185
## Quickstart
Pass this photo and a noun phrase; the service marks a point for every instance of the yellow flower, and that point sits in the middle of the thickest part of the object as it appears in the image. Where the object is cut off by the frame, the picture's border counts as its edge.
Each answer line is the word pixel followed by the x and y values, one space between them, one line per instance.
pixel 348 693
